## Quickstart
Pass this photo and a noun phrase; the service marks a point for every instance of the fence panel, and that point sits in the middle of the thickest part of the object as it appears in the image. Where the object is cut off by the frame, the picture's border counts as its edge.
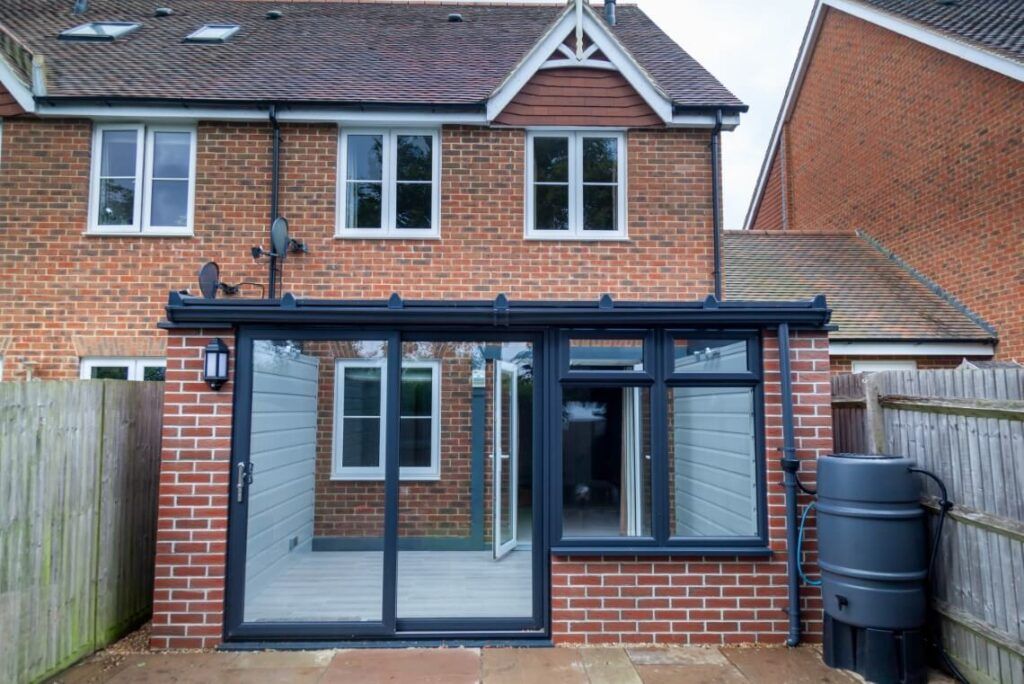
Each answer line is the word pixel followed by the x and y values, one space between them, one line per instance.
pixel 968 428
pixel 78 472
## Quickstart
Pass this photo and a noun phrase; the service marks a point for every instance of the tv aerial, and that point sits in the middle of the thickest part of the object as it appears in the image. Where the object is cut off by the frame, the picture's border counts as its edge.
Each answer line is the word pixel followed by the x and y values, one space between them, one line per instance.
pixel 210 283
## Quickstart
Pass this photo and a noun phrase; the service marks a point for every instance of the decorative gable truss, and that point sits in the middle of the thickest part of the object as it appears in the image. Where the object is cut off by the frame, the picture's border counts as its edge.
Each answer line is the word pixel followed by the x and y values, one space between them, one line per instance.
pixel 581 40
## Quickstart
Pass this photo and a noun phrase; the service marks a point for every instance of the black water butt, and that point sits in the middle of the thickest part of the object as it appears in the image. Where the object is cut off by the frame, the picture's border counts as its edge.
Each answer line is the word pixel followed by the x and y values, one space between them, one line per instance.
pixel 873 554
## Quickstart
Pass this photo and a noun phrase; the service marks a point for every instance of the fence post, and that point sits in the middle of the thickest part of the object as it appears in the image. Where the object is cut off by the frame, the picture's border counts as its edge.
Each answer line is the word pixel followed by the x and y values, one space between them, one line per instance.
pixel 874 417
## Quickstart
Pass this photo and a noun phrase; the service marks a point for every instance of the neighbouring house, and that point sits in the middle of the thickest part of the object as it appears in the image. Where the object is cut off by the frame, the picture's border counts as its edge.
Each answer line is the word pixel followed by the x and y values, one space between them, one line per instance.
pixel 884 316
pixel 488 392
pixel 904 120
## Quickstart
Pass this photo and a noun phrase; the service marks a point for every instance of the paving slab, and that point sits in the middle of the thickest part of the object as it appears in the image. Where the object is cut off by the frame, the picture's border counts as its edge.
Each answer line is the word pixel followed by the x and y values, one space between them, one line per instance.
pixel 682 655
pixel 609 666
pixel 175 668
pixel 801 665
pixel 398 666
pixel 533 666
pixel 694 674
pixel 91 671
pixel 280 660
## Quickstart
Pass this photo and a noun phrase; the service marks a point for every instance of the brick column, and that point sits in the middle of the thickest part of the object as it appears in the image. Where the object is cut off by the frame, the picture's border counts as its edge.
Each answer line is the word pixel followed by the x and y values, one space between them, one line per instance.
pixel 192 523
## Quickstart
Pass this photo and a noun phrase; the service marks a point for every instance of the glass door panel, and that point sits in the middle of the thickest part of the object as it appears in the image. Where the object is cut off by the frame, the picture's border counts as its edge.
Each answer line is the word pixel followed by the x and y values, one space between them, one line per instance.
pixel 505 457
pixel 466 426
pixel 313 487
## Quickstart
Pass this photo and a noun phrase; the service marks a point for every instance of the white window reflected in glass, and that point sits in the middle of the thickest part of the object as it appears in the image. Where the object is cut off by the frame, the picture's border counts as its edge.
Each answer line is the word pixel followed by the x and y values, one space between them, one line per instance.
pixel 143 179
pixel 576 185
pixel 123 368
pixel 389 185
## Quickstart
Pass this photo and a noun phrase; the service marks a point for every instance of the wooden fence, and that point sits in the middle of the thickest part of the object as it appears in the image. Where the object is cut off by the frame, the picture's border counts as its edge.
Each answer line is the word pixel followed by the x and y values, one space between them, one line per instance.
pixel 79 464
pixel 968 428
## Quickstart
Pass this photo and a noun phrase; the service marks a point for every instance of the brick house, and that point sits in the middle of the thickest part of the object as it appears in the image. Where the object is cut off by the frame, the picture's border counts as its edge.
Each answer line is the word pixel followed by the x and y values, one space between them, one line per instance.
pixel 490 391
pixel 904 121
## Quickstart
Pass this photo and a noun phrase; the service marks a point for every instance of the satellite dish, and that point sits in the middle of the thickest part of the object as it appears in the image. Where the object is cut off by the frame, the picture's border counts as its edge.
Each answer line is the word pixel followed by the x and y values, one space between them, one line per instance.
pixel 279 239
pixel 209 279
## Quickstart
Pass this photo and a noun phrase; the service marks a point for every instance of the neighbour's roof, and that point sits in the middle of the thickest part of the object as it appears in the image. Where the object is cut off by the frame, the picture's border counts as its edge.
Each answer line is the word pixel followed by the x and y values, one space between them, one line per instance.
pixel 337 52
pixel 872 297
pixel 996 25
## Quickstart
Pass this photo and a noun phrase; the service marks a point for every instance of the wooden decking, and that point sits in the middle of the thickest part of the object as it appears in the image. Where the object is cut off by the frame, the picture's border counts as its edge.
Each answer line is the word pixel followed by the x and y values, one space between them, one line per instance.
pixel 347 586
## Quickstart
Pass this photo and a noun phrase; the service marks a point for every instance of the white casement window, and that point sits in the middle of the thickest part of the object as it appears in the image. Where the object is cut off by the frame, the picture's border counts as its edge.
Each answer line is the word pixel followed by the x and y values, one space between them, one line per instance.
pixel 360 401
pixel 389 184
pixel 122 368
pixel 143 180
pixel 575 185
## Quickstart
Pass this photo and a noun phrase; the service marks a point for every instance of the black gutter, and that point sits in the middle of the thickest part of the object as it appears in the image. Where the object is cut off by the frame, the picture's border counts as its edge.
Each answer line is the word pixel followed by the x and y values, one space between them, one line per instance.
pixel 716 212
pixel 275 188
pixel 194 312
pixel 709 109
pixel 790 465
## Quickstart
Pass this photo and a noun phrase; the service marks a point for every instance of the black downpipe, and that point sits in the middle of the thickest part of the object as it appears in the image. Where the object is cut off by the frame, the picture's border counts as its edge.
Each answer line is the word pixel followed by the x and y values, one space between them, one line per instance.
pixel 716 199
pixel 790 466
pixel 275 188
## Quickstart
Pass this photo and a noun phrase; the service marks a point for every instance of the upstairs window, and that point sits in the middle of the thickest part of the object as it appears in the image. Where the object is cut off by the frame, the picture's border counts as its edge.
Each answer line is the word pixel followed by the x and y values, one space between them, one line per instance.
pixel 143 180
pixel 576 186
pixel 388 184
pixel 99 30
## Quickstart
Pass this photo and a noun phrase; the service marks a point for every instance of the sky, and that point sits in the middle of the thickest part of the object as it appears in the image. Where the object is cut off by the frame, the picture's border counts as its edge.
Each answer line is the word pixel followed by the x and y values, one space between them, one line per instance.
pixel 750 46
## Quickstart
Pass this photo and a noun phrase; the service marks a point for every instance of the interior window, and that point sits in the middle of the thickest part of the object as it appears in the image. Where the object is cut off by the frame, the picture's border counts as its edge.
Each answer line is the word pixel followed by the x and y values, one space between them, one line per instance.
pixel 575 185
pixel 606 462
pixel 361 424
pixel 390 184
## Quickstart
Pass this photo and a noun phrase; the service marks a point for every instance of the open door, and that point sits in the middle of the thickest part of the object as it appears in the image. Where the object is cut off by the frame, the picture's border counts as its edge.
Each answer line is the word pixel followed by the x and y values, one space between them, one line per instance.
pixel 505 457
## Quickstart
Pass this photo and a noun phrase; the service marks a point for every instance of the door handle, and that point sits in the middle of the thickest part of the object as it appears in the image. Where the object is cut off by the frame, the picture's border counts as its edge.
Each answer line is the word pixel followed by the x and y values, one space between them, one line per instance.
pixel 240 481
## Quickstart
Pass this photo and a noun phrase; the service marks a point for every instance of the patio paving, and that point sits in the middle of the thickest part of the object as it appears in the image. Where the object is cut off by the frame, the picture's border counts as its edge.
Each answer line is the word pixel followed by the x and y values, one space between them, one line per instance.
pixel 689 665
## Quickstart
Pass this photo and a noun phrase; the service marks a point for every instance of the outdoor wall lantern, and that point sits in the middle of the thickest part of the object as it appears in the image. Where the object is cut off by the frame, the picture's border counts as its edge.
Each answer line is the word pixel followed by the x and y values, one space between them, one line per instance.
pixel 215 368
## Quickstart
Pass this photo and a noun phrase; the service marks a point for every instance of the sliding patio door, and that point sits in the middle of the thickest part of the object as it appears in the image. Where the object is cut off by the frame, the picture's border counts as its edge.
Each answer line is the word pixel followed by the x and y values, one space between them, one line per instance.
pixel 377 489
pixel 308 550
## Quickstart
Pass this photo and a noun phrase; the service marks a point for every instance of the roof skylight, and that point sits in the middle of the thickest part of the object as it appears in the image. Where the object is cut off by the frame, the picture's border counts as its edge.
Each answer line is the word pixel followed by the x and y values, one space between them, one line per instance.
pixel 212 33
pixel 99 30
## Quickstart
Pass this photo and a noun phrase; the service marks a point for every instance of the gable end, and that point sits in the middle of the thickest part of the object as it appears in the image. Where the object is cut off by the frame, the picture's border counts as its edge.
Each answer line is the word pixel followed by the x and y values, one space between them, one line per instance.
pixel 578 97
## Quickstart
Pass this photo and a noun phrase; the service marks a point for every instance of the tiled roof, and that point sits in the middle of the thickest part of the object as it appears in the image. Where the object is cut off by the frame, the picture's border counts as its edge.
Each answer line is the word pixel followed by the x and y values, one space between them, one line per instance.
pixel 995 25
pixel 376 52
pixel 871 296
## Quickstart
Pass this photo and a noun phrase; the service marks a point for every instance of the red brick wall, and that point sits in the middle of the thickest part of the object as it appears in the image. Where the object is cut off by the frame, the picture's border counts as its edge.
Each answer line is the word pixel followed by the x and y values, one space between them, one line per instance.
pixel 68 284
pixel 770 213
pixel 923 151
pixel 8 105
pixel 191 538
pixel 611 600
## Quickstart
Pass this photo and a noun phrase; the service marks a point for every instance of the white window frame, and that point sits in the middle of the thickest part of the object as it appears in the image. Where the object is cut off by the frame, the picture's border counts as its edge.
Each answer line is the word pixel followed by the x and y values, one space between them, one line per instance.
pixel 576 231
pixel 136 365
pixel 879 365
pixel 389 184
pixel 341 472
pixel 142 225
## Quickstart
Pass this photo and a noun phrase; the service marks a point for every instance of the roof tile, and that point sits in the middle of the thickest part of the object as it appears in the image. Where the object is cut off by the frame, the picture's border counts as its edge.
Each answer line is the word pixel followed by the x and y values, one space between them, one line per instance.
pixel 871 296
